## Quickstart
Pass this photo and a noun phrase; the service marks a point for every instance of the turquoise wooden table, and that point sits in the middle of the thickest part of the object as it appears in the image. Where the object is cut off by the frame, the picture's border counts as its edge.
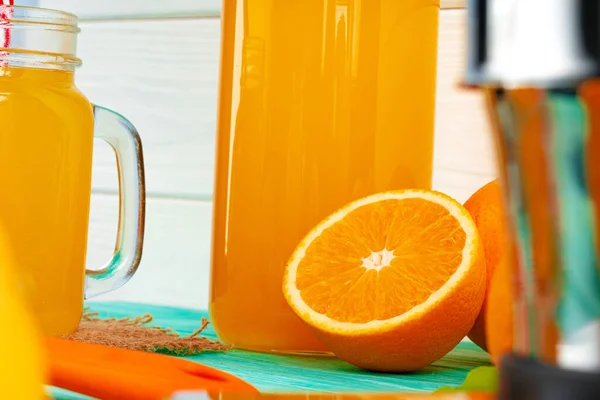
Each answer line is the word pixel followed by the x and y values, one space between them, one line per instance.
pixel 275 373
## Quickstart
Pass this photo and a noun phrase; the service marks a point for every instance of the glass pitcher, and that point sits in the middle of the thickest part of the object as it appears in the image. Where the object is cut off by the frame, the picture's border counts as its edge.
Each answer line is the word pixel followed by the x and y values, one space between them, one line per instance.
pixel 47 129
pixel 321 102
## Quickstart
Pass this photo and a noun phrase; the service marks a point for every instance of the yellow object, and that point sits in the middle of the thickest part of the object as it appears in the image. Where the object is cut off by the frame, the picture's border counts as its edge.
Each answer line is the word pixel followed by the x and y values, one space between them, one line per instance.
pixel 486 206
pixel 390 282
pixel 46 137
pixel 322 102
pixel 21 369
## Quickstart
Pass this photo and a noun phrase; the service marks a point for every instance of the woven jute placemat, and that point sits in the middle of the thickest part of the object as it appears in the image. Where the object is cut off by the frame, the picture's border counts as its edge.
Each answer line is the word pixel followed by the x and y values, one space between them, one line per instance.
pixel 137 333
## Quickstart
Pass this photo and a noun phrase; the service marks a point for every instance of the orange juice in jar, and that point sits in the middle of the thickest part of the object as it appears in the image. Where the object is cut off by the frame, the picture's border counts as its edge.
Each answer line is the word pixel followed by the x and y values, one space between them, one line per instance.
pixel 321 102
pixel 47 131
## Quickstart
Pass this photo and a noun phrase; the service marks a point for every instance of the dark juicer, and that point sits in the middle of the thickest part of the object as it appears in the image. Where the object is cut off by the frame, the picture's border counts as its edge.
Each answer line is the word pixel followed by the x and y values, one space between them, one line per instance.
pixel 537 63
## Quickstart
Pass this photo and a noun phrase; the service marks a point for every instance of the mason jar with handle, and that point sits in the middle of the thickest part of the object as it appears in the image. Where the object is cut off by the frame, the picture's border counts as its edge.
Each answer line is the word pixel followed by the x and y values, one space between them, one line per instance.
pixel 47 130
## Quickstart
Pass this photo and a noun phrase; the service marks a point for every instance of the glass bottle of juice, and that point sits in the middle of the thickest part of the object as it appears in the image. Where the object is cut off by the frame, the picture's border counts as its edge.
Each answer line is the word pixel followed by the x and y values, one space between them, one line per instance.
pixel 321 102
pixel 21 366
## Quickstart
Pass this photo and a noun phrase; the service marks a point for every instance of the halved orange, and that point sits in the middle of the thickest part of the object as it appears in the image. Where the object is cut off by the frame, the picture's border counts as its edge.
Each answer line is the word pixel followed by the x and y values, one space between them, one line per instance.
pixel 390 282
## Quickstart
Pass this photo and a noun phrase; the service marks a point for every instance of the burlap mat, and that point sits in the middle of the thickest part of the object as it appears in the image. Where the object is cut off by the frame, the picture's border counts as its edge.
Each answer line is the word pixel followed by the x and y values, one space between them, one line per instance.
pixel 136 333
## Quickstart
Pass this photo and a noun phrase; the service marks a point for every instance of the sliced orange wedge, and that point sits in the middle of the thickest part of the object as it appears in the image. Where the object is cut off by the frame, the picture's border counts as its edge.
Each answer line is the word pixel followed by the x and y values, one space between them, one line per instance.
pixel 390 282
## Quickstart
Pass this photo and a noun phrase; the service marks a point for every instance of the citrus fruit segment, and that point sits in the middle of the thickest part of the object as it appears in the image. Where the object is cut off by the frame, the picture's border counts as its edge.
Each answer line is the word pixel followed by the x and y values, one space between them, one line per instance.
pixel 392 281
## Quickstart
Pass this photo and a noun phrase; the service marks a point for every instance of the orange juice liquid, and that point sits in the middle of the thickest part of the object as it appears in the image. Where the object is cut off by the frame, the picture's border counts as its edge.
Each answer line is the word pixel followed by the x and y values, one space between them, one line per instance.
pixel 321 102
pixel 46 142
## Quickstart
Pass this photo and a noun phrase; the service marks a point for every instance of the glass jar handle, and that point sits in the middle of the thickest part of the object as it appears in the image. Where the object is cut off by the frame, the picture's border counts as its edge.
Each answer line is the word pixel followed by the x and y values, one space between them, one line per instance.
pixel 117 131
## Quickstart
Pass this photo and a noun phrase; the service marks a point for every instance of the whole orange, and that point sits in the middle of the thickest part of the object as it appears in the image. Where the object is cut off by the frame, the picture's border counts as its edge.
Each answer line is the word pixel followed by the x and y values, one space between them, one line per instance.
pixel 499 313
pixel 487 209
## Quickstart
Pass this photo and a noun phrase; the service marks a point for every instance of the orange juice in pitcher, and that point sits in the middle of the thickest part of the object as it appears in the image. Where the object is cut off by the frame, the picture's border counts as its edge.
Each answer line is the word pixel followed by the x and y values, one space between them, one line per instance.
pixel 321 102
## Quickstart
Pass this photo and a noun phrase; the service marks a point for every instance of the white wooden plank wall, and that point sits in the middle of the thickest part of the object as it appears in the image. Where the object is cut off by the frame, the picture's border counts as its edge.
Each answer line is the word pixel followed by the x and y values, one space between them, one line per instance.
pixel 157 63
